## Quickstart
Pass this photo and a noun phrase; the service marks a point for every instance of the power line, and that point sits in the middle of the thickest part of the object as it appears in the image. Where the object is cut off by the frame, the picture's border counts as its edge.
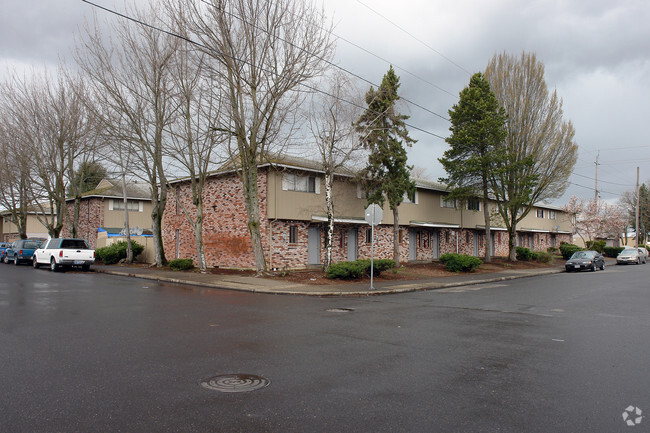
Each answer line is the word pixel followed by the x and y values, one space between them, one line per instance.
pixel 325 60
pixel 198 44
pixel 415 37
pixel 602 181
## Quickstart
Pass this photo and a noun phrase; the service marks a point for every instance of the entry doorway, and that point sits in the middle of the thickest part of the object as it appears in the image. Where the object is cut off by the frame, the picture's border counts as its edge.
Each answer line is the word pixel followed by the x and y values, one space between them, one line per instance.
pixel 313 245
pixel 352 244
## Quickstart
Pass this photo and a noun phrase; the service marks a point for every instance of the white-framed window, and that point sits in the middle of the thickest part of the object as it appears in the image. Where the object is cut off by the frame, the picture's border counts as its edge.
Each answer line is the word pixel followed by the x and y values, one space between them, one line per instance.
pixel 295 182
pixel 132 205
pixel 540 213
pixel 551 214
pixel 474 204
pixel 407 200
pixel 448 203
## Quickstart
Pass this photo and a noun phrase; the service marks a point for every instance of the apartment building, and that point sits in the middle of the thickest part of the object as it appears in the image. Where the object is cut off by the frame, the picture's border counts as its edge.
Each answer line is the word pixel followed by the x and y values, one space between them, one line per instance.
pixel 293 221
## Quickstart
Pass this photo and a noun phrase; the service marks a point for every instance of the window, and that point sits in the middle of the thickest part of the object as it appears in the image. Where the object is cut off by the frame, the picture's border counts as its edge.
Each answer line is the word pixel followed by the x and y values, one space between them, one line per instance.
pixel 447 203
pixel 293 234
pixel 447 236
pixel 406 198
pixel 551 214
pixel 540 213
pixel 466 237
pixel 368 236
pixel 294 182
pixel 132 205
pixel 473 204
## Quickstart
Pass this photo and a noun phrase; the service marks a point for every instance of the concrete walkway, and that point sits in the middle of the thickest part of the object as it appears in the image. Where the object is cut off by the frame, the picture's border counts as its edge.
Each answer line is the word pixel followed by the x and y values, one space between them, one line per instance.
pixel 273 286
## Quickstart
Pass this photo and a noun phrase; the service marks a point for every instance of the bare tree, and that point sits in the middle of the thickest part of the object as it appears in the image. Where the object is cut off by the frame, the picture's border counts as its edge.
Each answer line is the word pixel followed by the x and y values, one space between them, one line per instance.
pixel 261 52
pixel 14 178
pixel 195 137
pixel 134 96
pixel 53 125
pixel 539 151
pixel 331 121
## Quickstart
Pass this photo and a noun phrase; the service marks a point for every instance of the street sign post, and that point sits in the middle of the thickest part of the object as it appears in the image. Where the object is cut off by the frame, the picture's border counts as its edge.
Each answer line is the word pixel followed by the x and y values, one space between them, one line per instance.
pixel 374 213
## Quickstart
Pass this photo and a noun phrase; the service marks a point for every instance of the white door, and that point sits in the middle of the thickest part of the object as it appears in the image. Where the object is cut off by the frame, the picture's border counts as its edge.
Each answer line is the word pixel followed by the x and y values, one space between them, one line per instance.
pixel 352 245
pixel 435 244
pixel 412 245
pixel 313 245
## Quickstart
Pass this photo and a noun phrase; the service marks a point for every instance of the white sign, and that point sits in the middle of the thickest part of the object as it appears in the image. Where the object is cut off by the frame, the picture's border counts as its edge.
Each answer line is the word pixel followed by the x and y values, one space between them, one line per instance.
pixel 374 213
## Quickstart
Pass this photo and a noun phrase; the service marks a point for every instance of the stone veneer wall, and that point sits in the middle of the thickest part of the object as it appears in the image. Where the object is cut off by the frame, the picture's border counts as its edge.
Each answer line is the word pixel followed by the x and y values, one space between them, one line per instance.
pixel 91 217
pixel 226 238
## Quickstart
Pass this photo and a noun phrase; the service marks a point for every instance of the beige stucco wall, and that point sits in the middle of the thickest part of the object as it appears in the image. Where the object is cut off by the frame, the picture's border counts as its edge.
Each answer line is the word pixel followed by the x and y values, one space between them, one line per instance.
pixel 115 218
pixel 34 228
pixel 294 205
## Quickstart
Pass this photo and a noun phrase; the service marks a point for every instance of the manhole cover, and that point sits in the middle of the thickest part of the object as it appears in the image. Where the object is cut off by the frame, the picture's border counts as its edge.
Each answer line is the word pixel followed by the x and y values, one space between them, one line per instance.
pixel 339 310
pixel 235 383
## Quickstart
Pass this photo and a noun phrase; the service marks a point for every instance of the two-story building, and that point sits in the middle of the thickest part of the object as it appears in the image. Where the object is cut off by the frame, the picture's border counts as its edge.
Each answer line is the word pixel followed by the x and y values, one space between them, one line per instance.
pixel 293 221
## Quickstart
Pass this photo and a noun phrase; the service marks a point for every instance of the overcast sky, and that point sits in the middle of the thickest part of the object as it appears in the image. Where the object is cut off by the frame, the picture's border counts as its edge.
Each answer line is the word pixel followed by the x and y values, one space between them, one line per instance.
pixel 596 54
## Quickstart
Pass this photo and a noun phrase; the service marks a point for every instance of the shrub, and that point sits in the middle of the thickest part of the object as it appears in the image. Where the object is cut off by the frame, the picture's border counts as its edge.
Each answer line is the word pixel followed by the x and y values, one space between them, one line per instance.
pixel 358 268
pixel 596 245
pixel 552 250
pixel 612 251
pixel 117 251
pixel 181 264
pixel 460 262
pixel 567 250
pixel 543 257
pixel 524 254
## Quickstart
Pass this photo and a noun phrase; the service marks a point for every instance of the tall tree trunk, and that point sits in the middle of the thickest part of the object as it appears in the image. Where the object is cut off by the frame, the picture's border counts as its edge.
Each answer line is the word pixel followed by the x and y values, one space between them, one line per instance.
pixel 512 241
pixel 488 234
pixel 198 233
pixel 74 232
pixel 396 235
pixel 330 220
pixel 251 199
pixel 127 228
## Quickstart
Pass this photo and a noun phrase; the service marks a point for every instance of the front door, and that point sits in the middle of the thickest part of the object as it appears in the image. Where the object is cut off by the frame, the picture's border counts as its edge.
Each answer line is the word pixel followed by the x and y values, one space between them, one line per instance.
pixel 313 245
pixel 352 245
pixel 434 244
pixel 412 245
pixel 476 244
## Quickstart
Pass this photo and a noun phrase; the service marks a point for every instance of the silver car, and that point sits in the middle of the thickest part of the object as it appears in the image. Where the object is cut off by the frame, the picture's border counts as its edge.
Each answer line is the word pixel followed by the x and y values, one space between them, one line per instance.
pixel 631 255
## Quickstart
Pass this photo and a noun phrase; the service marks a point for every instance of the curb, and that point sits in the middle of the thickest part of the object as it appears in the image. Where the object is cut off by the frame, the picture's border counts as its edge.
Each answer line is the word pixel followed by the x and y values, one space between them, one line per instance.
pixel 404 288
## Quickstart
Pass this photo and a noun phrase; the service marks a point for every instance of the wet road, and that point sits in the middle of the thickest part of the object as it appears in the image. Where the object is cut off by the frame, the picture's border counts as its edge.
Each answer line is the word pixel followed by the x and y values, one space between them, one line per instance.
pixel 89 353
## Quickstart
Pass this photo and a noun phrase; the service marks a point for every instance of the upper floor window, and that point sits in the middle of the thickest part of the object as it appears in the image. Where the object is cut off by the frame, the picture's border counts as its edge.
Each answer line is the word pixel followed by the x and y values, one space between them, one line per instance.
pixel 551 214
pixel 540 213
pixel 406 198
pixel 473 204
pixel 450 203
pixel 132 205
pixel 295 182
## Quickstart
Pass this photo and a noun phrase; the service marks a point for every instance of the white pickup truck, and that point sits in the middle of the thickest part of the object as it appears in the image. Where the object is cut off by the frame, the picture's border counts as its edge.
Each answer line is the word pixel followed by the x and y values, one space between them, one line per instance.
pixel 60 253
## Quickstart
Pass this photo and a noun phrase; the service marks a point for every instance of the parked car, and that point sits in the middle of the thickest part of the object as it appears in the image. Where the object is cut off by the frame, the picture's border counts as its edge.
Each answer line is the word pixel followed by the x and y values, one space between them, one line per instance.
pixel 61 253
pixel 21 251
pixel 630 255
pixel 3 250
pixel 643 253
pixel 580 260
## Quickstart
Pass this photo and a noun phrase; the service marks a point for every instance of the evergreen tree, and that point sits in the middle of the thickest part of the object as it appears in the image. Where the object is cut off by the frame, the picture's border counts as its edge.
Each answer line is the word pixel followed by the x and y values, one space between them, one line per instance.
pixel 477 128
pixel 382 131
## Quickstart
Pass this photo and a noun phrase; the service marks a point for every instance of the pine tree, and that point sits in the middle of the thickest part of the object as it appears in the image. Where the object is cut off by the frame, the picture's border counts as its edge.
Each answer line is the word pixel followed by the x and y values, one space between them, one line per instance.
pixel 383 132
pixel 477 129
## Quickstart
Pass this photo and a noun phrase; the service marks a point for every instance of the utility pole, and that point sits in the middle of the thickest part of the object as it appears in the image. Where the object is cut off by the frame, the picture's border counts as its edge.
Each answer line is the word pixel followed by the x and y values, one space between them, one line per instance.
pixel 596 188
pixel 636 210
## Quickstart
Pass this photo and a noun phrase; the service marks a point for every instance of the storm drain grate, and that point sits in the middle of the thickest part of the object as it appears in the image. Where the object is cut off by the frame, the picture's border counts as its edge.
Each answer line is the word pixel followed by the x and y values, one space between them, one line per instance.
pixel 235 383
pixel 339 310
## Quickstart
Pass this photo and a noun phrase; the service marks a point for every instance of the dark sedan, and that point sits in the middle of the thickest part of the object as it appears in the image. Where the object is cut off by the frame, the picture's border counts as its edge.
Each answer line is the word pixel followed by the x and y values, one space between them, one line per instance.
pixel 580 260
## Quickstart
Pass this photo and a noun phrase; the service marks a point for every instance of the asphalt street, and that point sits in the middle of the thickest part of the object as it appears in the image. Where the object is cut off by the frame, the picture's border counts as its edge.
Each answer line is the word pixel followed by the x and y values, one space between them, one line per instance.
pixel 87 352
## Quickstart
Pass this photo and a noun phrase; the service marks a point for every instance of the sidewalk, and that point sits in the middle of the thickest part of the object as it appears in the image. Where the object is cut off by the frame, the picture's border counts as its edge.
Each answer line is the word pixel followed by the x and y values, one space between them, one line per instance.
pixel 271 286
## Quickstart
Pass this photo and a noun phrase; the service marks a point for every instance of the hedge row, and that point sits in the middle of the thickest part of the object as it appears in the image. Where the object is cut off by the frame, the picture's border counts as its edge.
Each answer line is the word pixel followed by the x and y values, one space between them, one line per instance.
pixel 358 268
pixel 117 251
pixel 526 254
pixel 460 262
